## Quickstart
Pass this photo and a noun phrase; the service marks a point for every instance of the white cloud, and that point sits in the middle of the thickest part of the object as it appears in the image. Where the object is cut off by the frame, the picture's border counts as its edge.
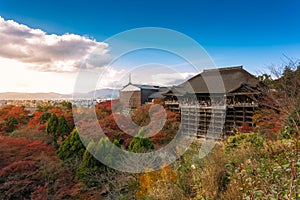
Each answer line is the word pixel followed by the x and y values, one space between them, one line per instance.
pixel 15 77
pixel 43 52
pixel 111 78
pixel 33 61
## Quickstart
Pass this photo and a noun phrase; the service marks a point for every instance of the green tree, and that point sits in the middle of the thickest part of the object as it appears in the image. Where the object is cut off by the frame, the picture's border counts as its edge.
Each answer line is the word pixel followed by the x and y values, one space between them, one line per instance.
pixel 140 143
pixel 44 117
pixel 71 147
pixel 89 167
pixel 88 158
pixel 91 171
pixel 267 80
pixel 67 105
pixel 51 127
pixel 107 151
pixel 11 124
pixel 63 128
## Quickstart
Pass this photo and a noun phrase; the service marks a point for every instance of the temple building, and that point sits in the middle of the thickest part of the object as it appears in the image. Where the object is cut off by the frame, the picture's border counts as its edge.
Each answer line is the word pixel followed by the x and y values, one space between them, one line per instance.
pixel 135 95
pixel 217 101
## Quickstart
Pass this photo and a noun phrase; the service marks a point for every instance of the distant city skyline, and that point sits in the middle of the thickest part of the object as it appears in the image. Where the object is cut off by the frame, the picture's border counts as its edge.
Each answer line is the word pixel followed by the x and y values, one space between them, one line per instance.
pixel 43 44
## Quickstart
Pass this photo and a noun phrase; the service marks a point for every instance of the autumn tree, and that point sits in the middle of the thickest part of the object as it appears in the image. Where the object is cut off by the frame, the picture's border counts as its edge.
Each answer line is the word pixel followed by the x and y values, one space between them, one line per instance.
pixel 286 92
pixel 70 119
pixel 45 106
pixel 19 113
pixel 141 116
pixel 10 116
pixel 66 105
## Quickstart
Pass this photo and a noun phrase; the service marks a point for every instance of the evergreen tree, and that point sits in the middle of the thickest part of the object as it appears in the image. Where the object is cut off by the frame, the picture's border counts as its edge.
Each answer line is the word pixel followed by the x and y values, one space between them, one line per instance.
pixel 140 144
pixel 89 167
pixel 11 124
pixel 51 127
pixel 117 143
pixel 91 171
pixel 63 128
pixel 44 117
pixel 71 147
pixel 104 151
pixel 88 159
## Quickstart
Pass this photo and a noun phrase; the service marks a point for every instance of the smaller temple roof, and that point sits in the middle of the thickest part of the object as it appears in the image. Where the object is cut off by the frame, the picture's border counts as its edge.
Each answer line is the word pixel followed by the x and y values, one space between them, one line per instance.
pixel 131 86
pixel 159 94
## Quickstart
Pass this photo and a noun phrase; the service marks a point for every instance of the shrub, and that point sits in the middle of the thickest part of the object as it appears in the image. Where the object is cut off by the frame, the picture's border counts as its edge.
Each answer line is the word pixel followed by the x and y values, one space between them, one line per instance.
pixel 140 144
pixel 41 127
pixel 153 183
pixel 254 140
pixel 17 167
pixel 32 134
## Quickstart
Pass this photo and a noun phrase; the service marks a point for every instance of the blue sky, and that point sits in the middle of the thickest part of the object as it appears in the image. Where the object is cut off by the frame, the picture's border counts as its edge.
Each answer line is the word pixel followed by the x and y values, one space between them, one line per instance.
pixel 254 34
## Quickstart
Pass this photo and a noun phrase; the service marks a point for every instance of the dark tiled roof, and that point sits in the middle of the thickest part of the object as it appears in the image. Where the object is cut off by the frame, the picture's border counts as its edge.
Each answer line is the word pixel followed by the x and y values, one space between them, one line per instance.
pixel 219 81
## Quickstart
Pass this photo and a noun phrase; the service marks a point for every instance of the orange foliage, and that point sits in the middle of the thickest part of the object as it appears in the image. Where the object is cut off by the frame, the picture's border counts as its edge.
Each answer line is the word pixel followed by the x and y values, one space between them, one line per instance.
pixel 16 149
pixel 17 167
pixel 269 122
pixel 18 112
pixel 149 180
pixel 27 168
pixel 41 127
pixel 245 128
pixel 141 116
pixel 4 110
pixel 57 110
pixel 158 101
pixel 104 108
pixel 169 130
pixel 70 119
pixel 35 120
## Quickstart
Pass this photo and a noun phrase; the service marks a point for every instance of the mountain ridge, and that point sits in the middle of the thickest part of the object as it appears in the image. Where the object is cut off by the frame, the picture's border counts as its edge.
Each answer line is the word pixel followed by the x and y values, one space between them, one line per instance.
pixel 100 93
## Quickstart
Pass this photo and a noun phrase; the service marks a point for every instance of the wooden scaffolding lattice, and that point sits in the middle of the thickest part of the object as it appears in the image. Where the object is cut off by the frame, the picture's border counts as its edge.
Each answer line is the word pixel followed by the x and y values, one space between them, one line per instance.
pixel 215 121
pixel 203 121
